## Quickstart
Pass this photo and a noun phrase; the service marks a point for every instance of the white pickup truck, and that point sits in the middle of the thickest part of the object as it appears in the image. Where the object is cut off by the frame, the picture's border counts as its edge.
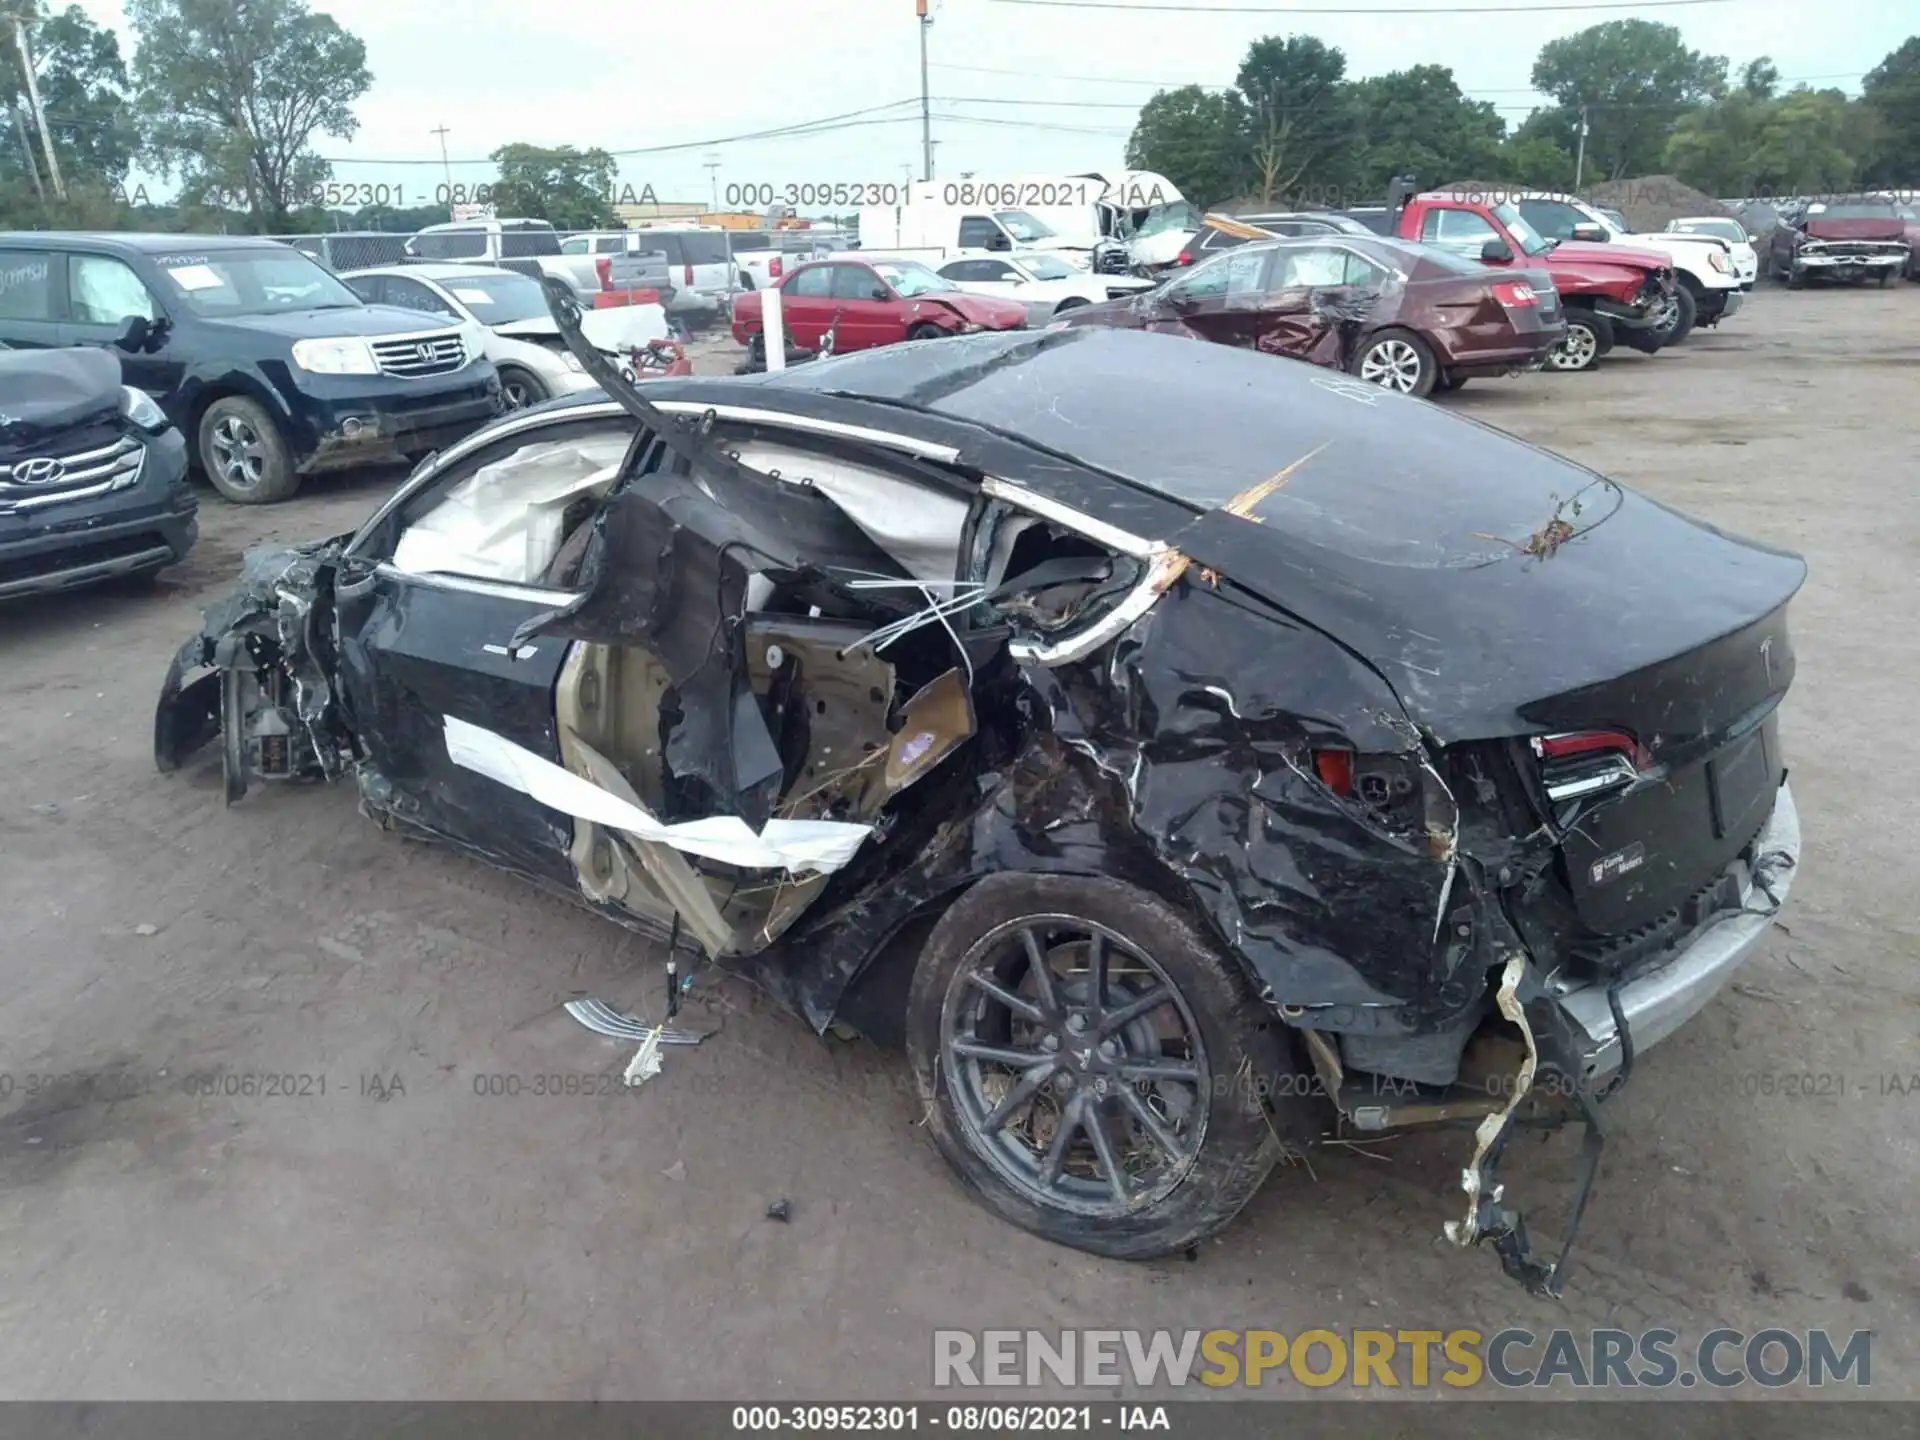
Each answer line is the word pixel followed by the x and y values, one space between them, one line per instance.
pixel 1710 287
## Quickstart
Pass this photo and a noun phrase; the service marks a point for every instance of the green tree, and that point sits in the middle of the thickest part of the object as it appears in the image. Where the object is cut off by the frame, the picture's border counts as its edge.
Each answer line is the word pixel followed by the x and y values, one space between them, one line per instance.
pixel 390 219
pixel 1299 117
pixel 233 93
pixel 1636 80
pixel 1417 122
pixel 1891 91
pixel 1713 148
pixel 1759 79
pixel 1802 144
pixel 83 89
pixel 569 187
pixel 1532 160
pixel 1192 136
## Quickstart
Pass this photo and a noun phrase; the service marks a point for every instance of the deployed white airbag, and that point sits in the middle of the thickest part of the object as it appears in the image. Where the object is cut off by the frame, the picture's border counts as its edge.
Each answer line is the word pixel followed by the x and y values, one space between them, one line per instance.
pixel 796 845
pixel 915 524
pixel 504 521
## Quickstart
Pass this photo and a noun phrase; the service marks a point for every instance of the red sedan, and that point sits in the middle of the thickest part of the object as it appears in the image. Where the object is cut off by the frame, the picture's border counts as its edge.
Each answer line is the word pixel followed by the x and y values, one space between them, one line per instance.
pixel 870 303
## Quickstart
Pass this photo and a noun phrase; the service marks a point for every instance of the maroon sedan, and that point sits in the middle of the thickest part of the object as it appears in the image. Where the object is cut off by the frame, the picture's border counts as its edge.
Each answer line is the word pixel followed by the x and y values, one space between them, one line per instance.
pixel 1406 316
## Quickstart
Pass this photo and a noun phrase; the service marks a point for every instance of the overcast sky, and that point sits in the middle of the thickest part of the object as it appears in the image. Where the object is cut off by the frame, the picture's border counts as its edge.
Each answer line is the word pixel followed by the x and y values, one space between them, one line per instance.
pixel 688 72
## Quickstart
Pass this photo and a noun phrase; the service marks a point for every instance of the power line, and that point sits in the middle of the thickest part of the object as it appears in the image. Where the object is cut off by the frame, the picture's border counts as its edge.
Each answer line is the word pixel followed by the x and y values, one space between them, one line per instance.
pixel 1208 85
pixel 1032 125
pixel 804 127
pixel 1020 100
pixel 1365 10
pixel 1089 79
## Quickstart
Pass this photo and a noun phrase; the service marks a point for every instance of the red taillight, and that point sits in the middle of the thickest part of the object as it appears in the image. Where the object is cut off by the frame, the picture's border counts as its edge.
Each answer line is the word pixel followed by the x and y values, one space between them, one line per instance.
pixel 1335 769
pixel 687 275
pixel 1515 294
pixel 1589 742
pixel 775 269
pixel 603 267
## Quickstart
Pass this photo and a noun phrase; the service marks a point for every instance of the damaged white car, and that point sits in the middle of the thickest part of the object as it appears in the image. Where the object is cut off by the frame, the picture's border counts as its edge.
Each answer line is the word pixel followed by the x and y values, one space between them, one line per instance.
pixel 1152 739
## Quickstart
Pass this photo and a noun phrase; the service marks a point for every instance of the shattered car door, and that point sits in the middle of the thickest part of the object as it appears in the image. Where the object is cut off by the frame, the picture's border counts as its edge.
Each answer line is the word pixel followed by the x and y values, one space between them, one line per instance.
pixel 726 671
pixel 1320 303
pixel 416 649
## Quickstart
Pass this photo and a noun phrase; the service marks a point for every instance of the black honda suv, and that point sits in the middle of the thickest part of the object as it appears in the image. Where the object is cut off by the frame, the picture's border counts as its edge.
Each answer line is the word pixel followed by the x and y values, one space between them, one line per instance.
pixel 269 366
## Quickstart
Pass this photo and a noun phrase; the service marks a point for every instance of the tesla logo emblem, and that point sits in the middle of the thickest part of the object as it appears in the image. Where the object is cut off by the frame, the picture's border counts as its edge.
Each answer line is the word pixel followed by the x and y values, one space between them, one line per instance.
pixel 39 471
pixel 423 350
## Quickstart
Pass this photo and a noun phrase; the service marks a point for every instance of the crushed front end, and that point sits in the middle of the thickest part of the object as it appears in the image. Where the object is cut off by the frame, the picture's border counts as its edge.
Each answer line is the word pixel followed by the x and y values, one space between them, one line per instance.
pixel 259 676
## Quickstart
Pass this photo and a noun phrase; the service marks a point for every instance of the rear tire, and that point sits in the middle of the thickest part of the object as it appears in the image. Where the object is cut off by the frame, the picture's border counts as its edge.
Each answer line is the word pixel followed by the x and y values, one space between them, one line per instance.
pixel 1080 1100
pixel 244 454
pixel 1072 302
pixel 1589 336
pixel 925 331
pixel 1397 360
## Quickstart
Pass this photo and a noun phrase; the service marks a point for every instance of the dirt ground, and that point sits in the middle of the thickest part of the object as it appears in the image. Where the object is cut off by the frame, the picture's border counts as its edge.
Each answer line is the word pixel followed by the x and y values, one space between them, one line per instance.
pixel 405 1234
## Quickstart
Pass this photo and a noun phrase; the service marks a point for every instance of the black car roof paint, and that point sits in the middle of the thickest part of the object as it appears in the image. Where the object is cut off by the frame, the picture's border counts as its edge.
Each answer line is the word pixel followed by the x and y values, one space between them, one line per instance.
pixel 1407 536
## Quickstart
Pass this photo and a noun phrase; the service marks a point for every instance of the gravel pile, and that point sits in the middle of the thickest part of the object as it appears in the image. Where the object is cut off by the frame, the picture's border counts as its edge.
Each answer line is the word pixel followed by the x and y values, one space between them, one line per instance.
pixel 1648 202
pixel 1652 200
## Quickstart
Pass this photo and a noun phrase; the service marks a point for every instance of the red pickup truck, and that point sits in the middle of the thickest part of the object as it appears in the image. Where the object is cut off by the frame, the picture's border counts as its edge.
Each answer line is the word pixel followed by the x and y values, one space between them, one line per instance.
pixel 1611 293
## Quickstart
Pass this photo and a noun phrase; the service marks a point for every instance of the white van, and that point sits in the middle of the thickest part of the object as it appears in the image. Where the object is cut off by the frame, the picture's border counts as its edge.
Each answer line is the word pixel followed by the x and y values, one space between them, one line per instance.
pixel 938 227
pixel 1140 211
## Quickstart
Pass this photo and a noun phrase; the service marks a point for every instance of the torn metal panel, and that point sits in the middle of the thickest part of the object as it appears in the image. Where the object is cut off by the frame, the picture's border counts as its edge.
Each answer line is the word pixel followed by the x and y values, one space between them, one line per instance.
pixel 668 571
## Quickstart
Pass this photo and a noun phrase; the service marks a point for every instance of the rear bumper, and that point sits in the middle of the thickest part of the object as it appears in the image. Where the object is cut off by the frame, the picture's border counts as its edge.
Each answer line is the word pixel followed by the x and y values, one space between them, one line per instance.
pixel 1657 1004
pixel 67 544
pixel 1526 350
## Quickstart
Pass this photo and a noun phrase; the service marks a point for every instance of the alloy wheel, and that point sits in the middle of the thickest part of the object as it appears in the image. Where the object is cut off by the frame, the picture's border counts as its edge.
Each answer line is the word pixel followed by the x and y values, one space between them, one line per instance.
pixel 1666 314
pixel 1393 364
pixel 1576 352
pixel 517 394
pixel 238 452
pixel 1075 1066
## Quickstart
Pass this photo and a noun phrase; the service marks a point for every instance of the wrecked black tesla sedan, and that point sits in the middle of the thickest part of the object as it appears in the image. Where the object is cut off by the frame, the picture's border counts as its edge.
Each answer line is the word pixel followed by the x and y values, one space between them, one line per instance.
pixel 1157 741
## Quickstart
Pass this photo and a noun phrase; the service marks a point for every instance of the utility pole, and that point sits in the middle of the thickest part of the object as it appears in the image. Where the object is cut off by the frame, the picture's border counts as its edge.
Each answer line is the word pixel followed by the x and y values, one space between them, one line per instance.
pixel 446 165
pixel 712 166
pixel 926 115
pixel 40 115
pixel 1580 156
pixel 26 150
